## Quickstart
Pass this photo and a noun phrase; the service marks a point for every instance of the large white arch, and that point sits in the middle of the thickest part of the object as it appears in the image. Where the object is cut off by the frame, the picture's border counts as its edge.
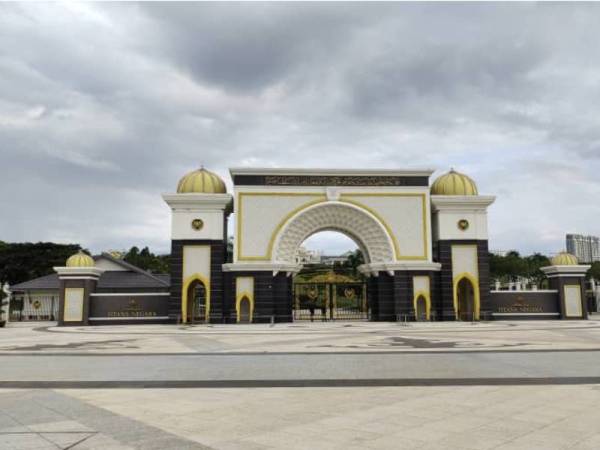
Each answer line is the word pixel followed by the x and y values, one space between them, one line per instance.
pixel 358 224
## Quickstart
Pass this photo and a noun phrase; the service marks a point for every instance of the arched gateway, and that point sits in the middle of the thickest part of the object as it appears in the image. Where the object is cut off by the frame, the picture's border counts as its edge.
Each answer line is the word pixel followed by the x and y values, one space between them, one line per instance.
pixel 425 250
pixel 413 239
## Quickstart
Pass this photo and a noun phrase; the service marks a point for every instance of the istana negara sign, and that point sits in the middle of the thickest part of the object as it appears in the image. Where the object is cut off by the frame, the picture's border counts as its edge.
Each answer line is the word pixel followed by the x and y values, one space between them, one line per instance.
pixel 129 307
pixel 132 309
pixel 520 305
pixel 526 303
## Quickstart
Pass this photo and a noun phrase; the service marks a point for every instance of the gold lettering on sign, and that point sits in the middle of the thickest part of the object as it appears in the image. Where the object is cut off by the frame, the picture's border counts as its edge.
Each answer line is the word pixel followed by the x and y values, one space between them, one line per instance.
pixel 132 309
pixel 294 180
pixel 520 306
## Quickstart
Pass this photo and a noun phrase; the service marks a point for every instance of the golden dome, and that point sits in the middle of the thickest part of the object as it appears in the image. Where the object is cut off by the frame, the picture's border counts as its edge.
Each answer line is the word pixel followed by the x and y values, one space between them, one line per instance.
pixel 454 183
pixel 201 181
pixel 80 259
pixel 564 259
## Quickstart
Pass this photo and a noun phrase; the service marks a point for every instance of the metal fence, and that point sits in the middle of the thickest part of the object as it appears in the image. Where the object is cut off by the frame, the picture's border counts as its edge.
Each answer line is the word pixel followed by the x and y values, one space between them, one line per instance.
pixel 33 307
pixel 330 301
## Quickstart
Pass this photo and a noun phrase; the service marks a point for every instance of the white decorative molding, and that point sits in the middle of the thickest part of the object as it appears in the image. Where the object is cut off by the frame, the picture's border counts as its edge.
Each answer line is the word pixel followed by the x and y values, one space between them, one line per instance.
pixel 375 268
pixel 565 271
pixel 333 194
pixel 199 202
pixel 262 267
pixel 358 224
pixel 67 273
pixel 461 202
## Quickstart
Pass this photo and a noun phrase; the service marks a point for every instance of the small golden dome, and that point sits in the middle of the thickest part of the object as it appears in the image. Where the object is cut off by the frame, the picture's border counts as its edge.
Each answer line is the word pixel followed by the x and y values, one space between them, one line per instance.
pixel 454 183
pixel 564 259
pixel 201 181
pixel 80 259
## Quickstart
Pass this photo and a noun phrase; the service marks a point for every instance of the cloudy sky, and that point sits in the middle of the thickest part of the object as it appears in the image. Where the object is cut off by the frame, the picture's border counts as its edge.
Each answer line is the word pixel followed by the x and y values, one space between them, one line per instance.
pixel 104 106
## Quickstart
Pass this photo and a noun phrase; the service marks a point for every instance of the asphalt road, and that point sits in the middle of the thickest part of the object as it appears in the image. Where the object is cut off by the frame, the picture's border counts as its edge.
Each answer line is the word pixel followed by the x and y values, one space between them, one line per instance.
pixel 319 369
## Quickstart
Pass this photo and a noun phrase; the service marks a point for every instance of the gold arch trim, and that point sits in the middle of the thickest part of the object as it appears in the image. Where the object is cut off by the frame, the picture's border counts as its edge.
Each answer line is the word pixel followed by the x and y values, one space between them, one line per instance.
pixel 424 227
pixel 238 305
pixel 475 285
pixel 184 295
pixel 427 298
pixel 239 296
pixel 323 199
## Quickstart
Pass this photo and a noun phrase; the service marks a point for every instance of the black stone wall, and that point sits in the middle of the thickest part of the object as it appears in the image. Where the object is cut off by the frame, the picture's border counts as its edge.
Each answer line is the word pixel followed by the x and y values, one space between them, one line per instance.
pixel 444 256
pixel 217 259
pixel 272 296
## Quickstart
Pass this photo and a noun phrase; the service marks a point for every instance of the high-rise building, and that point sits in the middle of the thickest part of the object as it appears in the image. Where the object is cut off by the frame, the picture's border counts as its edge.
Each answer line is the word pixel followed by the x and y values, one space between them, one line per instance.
pixel 586 248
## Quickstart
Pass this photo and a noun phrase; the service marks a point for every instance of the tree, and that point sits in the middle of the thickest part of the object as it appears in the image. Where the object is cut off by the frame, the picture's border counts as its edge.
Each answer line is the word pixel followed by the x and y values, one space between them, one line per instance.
pixel 534 263
pixel 26 260
pixel 512 266
pixel 147 260
pixel 594 271
pixel 355 259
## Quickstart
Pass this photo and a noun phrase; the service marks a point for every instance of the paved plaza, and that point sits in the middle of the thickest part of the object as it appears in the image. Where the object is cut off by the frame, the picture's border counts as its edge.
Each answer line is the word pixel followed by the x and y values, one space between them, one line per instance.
pixel 503 385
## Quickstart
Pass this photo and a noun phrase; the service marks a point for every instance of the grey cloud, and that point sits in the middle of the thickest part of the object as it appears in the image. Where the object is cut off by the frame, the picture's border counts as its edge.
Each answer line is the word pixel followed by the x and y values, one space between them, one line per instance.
pixel 105 106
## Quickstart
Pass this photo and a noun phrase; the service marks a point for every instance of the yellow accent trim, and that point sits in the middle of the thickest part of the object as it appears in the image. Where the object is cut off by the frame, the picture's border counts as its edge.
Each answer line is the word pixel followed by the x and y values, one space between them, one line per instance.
pixel 581 300
pixel 188 280
pixel 66 303
pixel 475 284
pixel 184 295
pixel 473 278
pixel 424 227
pixel 240 295
pixel 323 198
pixel 239 209
pixel 427 298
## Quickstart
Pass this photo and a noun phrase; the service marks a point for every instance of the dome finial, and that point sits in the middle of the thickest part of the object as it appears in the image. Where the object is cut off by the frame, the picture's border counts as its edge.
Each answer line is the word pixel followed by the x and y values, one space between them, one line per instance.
pixel 80 259
pixel 564 259
pixel 201 181
pixel 454 183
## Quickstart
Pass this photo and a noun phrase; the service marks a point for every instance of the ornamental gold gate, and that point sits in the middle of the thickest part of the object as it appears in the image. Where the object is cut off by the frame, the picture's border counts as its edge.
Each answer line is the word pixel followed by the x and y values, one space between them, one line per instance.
pixel 330 301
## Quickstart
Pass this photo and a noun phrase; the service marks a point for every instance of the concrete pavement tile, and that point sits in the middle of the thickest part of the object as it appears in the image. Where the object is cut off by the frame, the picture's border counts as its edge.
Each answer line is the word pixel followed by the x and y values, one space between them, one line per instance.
pixel 401 421
pixel 61 425
pixel 458 424
pixel 165 443
pixel 426 433
pixel 471 440
pixel 439 445
pixel 102 442
pixel 241 444
pixel 283 439
pixel 589 443
pixel 24 441
pixel 395 441
pixel 66 440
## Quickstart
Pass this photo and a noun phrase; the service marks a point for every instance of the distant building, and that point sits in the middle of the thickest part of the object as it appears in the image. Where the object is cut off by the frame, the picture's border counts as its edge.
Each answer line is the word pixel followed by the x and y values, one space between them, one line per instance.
pixel 585 248
pixel 341 259
pixel 305 256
